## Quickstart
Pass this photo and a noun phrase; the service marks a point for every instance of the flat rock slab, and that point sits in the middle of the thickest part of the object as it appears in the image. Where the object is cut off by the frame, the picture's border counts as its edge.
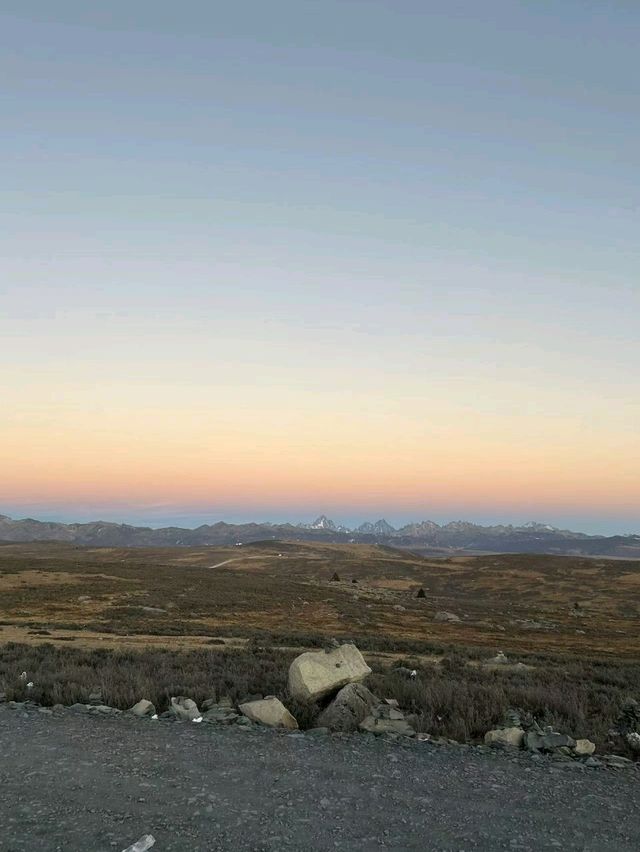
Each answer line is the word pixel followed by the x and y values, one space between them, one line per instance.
pixel 73 782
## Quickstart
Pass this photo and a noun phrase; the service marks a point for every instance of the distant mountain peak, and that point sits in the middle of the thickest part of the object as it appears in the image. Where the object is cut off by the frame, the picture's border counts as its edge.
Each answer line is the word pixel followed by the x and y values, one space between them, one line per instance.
pixel 380 528
pixel 457 536
pixel 325 523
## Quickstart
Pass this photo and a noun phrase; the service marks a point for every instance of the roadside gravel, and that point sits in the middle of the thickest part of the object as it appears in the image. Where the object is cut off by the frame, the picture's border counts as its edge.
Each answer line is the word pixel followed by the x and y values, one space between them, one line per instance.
pixel 70 781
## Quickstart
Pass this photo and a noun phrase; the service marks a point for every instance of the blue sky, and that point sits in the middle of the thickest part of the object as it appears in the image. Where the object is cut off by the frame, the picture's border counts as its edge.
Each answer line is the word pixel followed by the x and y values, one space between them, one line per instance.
pixel 356 213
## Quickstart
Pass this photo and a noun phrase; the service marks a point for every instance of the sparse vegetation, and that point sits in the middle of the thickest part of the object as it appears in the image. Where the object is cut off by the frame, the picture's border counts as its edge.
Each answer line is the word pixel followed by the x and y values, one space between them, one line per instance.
pixel 456 699
pixel 158 622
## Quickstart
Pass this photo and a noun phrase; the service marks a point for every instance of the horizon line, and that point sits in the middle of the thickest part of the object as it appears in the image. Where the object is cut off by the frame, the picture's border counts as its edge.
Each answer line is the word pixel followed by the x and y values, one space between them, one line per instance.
pixel 308 525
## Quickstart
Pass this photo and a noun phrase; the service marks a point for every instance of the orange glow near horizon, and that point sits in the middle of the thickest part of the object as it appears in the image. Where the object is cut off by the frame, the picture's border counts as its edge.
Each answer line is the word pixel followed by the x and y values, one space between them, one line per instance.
pixel 317 462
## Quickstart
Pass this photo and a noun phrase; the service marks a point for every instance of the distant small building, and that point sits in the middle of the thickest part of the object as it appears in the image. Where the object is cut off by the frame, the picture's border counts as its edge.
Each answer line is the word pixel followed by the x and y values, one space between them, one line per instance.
pixel 335 578
pixel 421 593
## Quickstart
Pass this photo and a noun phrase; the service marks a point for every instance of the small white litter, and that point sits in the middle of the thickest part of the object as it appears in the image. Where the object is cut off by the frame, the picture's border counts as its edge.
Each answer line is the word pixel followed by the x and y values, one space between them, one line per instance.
pixel 145 842
pixel 30 685
pixel 197 719
pixel 155 716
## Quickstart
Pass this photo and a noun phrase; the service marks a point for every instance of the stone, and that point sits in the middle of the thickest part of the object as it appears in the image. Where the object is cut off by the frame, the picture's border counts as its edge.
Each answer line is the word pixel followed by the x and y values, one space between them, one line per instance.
pixel 548 740
pixel 584 748
pixel 351 705
pixel 500 659
pixel 270 712
pixel 387 726
pixel 185 708
pixel 217 715
pixel 103 710
pixel 385 719
pixel 633 741
pixel 505 737
pixel 141 845
pixel 629 719
pixel 143 708
pixel 404 672
pixel 443 616
pixel 616 761
pixel 316 674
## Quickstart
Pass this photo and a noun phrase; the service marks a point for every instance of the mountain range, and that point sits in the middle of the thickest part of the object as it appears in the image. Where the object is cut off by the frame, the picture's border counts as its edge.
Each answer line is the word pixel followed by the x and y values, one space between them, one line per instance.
pixel 425 536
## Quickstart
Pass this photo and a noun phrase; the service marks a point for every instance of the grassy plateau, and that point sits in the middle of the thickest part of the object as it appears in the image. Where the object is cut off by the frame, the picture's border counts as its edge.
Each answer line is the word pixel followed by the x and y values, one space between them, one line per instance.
pixel 207 622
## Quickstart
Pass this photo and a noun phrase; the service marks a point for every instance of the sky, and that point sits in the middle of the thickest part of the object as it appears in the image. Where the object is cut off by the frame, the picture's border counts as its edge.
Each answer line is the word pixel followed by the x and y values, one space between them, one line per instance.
pixel 370 258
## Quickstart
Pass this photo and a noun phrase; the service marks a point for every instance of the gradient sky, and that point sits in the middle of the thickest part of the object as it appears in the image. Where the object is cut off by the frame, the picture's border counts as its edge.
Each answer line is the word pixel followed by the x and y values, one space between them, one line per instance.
pixel 264 260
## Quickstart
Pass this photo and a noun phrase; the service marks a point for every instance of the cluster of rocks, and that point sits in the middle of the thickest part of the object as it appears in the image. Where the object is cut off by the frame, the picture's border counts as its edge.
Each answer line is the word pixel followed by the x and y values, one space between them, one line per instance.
pixel 628 725
pixel 523 732
pixel 334 679
pixel 327 681
pixel 265 711
pixel 330 683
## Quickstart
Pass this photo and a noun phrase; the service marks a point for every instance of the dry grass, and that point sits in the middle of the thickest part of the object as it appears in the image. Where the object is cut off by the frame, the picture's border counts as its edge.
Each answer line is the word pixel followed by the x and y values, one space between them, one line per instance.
pixel 286 587
pixel 454 700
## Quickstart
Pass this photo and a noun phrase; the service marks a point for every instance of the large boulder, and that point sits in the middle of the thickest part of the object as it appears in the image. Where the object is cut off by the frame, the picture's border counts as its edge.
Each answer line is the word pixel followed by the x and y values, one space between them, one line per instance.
pixel 316 674
pixel 351 705
pixel 269 711
pixel 185 708
pixel 143 708
pixel 505 737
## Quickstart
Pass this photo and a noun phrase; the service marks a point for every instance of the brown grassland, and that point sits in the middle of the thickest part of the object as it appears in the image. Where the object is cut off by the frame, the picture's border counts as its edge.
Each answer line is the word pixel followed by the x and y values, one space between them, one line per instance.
pixel 152 622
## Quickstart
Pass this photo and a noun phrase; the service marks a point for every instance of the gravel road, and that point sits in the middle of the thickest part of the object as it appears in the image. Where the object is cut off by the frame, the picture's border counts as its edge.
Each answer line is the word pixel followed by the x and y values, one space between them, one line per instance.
pixel 75 782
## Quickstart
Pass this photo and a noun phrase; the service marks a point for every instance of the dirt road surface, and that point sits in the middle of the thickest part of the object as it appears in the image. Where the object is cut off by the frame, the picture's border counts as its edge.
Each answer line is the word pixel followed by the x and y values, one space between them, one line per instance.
pixel 76 783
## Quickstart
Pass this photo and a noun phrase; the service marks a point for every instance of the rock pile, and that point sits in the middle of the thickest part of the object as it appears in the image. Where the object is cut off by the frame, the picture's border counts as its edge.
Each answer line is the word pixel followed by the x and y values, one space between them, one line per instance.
pixel 525 733
pixel 334 677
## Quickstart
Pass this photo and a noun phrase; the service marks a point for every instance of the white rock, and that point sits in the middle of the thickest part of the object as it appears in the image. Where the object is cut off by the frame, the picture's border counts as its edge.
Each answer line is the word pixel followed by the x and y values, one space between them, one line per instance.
pixel 633 741
pixel 145 842
pixel 584 748
pixel 269 711
pixel 446 616
pixel 184 708
pixel 143 708
pixel 511 737
pixel 316 674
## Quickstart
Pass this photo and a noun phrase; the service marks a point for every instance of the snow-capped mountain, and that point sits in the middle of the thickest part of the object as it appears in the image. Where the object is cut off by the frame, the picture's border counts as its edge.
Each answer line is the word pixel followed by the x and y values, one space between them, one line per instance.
pixel 378 528
pixel 325 523
pixel 425 536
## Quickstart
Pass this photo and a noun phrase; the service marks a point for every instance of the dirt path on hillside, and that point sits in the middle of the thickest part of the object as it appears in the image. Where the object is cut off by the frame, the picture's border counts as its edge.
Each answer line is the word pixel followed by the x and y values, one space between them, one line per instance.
pixel 75 783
